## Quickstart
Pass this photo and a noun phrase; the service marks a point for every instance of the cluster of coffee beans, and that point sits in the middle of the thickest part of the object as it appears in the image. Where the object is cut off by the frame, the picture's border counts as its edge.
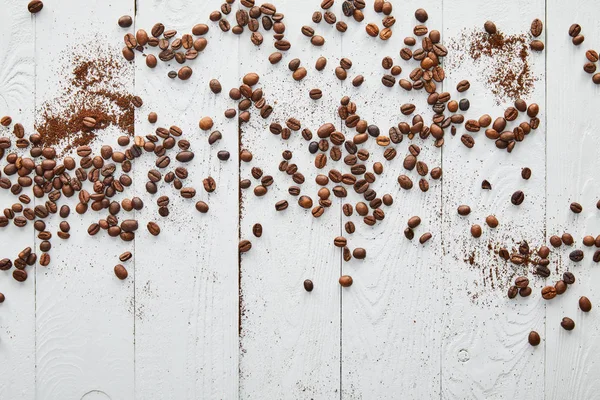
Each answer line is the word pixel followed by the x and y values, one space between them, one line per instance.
pixel 591 55
pixel 537 27
pixel 106 173
pixel 265 15
pixel 385 7
pixel 181 49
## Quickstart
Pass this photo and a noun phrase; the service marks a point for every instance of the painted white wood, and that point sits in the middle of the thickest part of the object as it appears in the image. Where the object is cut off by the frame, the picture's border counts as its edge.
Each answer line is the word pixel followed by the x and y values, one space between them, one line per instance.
pixel 390 321
pixel 17 313
pixel 485 353
pixel 290 339
pixel 572 357
pixel 84 314
pixel 187 278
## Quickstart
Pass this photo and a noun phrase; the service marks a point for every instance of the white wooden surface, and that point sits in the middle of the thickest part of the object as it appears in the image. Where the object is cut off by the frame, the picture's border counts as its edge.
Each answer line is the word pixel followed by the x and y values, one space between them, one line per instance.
pixel 419 321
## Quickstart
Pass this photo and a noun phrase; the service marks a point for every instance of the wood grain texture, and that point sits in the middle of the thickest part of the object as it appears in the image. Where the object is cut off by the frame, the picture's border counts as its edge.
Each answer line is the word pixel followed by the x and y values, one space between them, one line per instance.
pixel 485 353
pixel 186 288
pixel 290 339
pixel 17 316
pixel 390 315
pixel 84 313
pixel 571 357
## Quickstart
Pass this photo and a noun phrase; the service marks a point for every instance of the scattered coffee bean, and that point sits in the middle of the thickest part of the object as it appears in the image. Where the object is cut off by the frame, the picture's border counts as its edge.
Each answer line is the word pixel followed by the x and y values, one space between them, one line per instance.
pixel 568 324
pixel 585 304
pixel 534 338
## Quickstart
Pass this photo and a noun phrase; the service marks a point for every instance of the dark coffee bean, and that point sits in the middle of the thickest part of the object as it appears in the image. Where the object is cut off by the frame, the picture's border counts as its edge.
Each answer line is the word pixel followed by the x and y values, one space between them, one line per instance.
pixel 526 173
pixel 215 86
pixel 534 338
pixel 153 228
pixel 486 185
pixel 492 221
pixel 463 86
pixel 345 281
pixel 576 255
pixel 569 278
pixel 561 287
pixel 567 239
pixel 512 292
pixel 542 271
pixel 517 198
pixel 359 253
pixel 20 275
pixel 467 140
pixel 308 285
pixel 568 324
pixel 585 304
pixel 281 205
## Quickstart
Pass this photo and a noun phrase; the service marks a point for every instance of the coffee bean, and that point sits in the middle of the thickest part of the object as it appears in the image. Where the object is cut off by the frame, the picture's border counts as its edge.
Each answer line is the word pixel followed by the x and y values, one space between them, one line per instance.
pixel 555 241
pixel 525 292
pixel 512 292
pixel 526 173
pixel 521 282
pixel 153 228
pixel 345 281
pixel 576 207
pixel 421 15
pixel 425 237
pixel 388 80
pixel 536 45
pixel 568 324
pixel 281 205
pixel 536 27
pixel 464 210
pixel 308 285
pixel 534 338
pixel 542 271
pixel 245 246
pixel 20 275
pixel 585 304
pixel 574 30
pixel 120 272
pixel 492 221
pixel 202 207
pixel 490 27
pixel 124 22
pixel 517 198
pixel 486 185
pixel 569 278
pixel 576 255
pixel 467 140
pixel 359 253
pixel 184 73
pixel 577 40
pixel 35 6
pixel 548 292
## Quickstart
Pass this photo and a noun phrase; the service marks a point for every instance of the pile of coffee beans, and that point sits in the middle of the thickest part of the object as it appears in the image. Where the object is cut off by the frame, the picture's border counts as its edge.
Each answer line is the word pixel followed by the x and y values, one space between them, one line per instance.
pixel 182 49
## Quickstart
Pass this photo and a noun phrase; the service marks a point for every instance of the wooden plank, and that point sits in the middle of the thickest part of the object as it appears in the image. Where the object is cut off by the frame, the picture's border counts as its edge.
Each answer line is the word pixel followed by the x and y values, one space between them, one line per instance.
pixel 572 357
pixel 17 319
pixel 187 278
pixel 390 315
pixel 84 316
pixel 290 339
pixel 485 353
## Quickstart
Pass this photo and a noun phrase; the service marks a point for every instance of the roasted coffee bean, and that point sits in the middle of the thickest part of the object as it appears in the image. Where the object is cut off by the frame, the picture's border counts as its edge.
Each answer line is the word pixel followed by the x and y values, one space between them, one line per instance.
pixel 467 140
pixel 463 86
pixel 569 278
pixel 576 255
pixel 308 285
pixel 560 287
pixel 567 239
pixel 345 281
pixel 548 292
pixel 153 228
pixel 574 30
pixel 576 207
pixel 536 45
pixel 536 27
pixel 464 210
pixel 121 272
pixel 521 282
pixel 517 198
pixel 585 304
pixel 568 324
pixel 492 221
pixel 281 205
pixel 35 6
pixel 512 292
pixel 534 338
pixel 490 27
pixel 542 271
pixel 555 241
pixel 359 253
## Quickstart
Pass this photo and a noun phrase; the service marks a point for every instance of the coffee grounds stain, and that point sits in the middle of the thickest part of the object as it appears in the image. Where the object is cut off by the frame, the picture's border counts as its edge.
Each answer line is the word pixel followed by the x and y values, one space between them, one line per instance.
pixel 502 60
pixel 94 87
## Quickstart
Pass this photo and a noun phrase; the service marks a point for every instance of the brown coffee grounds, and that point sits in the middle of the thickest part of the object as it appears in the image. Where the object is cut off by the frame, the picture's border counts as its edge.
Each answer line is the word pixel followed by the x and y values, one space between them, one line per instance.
pixel 94 89
pixel 502 60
